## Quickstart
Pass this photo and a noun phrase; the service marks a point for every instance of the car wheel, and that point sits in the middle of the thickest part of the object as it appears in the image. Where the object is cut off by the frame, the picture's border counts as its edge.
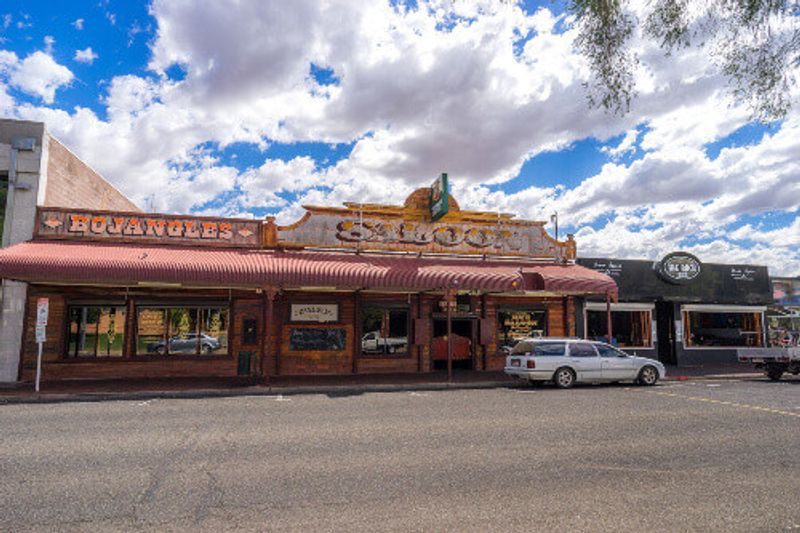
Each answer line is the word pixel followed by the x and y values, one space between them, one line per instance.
pixel 161 350
pixel 206 349
pixel 648 376
pixel 774 375
pixel 391 349
pixel 564 378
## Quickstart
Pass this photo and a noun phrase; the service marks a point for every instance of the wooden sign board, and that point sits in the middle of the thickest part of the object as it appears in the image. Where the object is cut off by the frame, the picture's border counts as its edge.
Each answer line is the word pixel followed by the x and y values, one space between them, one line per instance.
pixel 409 228
pixel 111 226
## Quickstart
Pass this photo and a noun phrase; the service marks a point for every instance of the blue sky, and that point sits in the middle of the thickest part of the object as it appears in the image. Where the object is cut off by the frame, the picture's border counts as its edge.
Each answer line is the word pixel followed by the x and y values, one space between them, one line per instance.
pixel 257 110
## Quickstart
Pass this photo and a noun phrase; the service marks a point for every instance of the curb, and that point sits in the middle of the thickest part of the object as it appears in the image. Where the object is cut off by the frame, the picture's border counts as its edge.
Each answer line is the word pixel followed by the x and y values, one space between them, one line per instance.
pixel 333 390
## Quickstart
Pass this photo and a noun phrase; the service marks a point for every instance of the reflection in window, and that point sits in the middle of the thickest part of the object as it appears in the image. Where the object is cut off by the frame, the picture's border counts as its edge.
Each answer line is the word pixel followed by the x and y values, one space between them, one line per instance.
pixel 515 325
pixel 722 329
pixel 629 329
pixel 385 331
pixel 182 331
pixel 96 331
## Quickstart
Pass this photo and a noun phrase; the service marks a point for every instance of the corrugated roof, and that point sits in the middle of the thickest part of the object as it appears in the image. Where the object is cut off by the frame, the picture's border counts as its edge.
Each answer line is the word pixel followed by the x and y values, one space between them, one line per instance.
pixel 47 261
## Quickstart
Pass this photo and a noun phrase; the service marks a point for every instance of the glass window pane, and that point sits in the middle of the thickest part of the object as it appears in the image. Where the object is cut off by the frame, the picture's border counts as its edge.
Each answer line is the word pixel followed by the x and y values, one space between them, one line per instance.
pixel 550 348
pixel 72 333
pixel 722 329
pixel 87 331
pixel 385 331
pixel 183 334
pixel 111 332
pixel 581 349
pixel 214 331
pixel 151 331
pixel 513 325
pixel 630 329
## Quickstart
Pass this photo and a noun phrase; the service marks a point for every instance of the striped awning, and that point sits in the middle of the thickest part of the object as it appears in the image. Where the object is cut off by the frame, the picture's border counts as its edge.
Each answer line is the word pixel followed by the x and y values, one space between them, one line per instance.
pixel 119 264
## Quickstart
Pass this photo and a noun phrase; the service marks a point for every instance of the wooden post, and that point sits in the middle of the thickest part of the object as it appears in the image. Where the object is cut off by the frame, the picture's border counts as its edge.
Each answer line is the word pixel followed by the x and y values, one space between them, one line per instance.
pixel 269 297
pixel 608 317
pixel 357 330
pixel 449 299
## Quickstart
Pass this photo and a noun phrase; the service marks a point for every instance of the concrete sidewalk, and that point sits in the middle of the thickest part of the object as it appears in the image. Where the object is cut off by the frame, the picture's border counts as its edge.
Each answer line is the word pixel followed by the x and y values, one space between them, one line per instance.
pixel 144 389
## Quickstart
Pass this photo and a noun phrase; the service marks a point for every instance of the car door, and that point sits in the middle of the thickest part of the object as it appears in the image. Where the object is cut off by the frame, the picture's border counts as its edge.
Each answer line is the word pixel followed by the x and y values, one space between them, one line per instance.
pixel 616 364
pixel 583 358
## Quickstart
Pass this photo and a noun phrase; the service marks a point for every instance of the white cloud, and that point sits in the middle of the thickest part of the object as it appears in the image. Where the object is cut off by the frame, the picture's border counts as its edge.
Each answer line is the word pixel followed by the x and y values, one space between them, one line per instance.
pixel 78 24
pixel 86 55
pixel 49 41
pixel 416 100
pixel 38 74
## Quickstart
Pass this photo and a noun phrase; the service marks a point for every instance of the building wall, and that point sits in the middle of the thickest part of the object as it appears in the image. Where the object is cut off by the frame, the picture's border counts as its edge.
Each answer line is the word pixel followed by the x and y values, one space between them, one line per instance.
pixel 281 361
pixel 72 183
pixel 54 176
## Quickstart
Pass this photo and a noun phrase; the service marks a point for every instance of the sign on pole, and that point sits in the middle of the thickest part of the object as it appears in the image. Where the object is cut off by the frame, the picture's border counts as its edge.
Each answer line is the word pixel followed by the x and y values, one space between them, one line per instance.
pixel 440 197
pixel 42 310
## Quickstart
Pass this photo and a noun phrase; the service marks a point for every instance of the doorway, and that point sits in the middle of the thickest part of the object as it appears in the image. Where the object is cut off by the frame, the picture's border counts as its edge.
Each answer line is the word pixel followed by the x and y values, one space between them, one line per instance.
pixel 665 332
pixel 463 343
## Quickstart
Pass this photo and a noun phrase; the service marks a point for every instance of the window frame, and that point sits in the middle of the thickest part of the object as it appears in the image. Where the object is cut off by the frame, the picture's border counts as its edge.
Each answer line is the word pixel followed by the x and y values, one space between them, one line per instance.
pixel 624 307
pixel 78 304
pixel 149 356
pixel 756 312
pixel 529 308
pixel 386 305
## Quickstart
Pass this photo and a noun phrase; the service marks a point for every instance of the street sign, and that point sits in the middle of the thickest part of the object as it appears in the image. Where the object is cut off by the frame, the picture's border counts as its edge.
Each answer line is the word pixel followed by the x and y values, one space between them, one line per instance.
pixel 41 335
pixel 42 310
pixel 440 197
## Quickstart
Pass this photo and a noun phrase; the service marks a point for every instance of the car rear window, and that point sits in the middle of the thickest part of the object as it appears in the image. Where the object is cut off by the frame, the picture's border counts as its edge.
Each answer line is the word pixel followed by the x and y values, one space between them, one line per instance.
pixel 549 348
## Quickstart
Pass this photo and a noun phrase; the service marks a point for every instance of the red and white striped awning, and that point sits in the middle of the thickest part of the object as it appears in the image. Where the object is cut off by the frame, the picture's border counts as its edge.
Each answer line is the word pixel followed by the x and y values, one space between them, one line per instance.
pixel 119 264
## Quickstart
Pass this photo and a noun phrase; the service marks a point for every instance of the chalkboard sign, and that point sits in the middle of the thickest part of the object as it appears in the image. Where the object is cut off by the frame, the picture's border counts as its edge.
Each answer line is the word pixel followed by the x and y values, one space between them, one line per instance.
pixel 317 339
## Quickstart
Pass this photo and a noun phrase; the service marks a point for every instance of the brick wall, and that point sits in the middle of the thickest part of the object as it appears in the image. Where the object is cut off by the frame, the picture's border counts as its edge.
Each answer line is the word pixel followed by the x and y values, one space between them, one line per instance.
pixel 72 183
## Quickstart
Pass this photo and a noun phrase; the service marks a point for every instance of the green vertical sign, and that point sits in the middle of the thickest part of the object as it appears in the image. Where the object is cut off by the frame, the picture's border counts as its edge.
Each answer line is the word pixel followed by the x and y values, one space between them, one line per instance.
pixel 440 195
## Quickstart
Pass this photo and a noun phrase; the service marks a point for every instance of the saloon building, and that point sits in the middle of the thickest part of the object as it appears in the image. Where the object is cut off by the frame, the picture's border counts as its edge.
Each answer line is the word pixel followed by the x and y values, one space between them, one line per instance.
pixel 679 310
pixel 362 288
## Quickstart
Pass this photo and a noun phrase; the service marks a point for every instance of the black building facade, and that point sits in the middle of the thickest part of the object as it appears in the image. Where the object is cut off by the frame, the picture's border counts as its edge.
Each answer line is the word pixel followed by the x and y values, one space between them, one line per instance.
pixel 679 310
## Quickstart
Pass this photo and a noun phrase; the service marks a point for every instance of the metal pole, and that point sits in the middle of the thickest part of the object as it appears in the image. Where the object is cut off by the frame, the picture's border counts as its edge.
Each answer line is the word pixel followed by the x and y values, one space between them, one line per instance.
pixel 608 317
pixel 38 367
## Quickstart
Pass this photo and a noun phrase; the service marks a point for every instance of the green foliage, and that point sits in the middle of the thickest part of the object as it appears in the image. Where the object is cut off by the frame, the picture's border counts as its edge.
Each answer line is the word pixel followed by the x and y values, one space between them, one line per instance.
pixel 755 44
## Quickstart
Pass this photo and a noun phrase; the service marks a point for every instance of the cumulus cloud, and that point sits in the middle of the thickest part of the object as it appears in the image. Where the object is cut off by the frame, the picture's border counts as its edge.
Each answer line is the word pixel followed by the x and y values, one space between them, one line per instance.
pixel 474 89
pixel 78 24
pixel 86 55
pixel 38 74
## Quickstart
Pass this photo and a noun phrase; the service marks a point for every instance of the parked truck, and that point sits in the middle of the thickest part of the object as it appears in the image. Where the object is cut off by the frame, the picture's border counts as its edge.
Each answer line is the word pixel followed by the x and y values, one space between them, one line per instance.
pixel 775 362
pixel 373 342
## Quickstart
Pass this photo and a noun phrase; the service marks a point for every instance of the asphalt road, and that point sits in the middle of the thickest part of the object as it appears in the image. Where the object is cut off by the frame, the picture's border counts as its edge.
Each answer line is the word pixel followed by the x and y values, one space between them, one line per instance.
pixel 690 456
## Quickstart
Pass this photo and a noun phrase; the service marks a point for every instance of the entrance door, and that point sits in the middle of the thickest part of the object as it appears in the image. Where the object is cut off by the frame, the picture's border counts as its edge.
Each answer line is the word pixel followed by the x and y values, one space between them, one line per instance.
pixel 463 343
pixel 665 331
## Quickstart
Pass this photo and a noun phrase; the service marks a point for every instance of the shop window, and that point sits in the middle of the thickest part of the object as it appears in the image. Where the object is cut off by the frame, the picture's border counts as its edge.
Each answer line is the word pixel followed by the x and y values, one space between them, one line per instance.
pixel 384 331
pixel 629 329
pixel 182 330
pixel 95 331
pixel 722 329
pixel 514 325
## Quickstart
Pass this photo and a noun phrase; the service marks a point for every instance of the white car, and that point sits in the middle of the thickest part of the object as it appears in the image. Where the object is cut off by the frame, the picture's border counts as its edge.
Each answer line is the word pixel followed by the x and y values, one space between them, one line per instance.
pixel 567 361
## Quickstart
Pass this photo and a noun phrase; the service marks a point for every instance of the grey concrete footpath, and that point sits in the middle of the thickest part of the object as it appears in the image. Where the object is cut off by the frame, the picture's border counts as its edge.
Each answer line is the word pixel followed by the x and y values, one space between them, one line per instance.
pixel 350 389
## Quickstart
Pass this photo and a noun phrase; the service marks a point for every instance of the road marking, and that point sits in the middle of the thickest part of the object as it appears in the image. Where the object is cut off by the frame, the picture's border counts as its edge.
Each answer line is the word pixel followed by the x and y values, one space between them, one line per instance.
pixel 723 402
pixel 420 394
pixel 713 385
pixel 281 398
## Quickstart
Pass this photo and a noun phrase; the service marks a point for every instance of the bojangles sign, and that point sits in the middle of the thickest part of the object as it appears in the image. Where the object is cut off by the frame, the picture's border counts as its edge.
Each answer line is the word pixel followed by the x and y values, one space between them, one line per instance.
pixel 75 224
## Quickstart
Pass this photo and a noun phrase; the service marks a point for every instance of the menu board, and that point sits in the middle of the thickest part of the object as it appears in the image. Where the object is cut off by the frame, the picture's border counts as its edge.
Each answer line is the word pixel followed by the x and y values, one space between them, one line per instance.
pixel 317 339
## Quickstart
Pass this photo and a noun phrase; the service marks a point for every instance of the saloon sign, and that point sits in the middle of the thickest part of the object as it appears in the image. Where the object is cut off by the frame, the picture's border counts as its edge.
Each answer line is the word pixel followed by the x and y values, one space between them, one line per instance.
pixel 74 224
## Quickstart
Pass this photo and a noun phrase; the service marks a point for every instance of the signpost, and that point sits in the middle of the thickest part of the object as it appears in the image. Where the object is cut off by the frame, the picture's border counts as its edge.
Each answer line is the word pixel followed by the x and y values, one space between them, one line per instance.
pixel 42 310
pixel 440 197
